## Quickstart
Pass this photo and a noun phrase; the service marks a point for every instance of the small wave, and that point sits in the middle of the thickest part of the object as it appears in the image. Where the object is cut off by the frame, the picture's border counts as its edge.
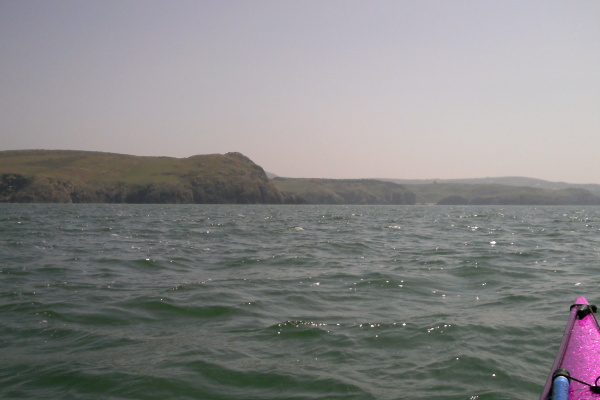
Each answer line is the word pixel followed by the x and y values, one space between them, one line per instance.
pixel 162 308
pixel 302 329
pixel 298 323
pixel 266 380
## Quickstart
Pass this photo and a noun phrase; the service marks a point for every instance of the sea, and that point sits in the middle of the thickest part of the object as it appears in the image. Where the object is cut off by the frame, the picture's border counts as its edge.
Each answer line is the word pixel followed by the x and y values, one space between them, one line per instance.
pixel 302 302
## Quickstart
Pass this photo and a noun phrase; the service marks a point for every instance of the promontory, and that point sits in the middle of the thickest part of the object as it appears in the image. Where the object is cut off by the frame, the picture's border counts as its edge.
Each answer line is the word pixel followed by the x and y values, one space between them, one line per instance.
pixel 64 176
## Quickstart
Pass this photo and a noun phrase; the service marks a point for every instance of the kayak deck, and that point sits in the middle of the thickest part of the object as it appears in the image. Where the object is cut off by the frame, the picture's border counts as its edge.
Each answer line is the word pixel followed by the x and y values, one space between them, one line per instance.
pixel 579 355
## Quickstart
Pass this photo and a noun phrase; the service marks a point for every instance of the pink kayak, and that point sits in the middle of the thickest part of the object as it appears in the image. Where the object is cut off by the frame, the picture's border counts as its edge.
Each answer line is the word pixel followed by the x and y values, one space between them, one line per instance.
pixel 576 370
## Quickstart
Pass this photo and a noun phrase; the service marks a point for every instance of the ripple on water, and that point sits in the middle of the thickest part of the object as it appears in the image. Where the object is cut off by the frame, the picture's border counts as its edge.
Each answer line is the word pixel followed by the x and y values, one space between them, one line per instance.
pixel 222 302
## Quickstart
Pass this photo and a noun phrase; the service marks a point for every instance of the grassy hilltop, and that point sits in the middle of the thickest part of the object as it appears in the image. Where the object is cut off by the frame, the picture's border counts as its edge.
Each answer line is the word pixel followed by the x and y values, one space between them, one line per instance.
pixel 62 176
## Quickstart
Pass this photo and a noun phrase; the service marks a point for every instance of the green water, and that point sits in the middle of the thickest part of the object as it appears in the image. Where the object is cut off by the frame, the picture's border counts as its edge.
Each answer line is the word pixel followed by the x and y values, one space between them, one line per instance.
pixel 288 302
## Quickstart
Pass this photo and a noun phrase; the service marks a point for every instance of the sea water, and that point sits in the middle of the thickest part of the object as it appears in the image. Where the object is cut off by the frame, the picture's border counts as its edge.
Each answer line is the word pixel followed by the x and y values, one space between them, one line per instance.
pixel 288 302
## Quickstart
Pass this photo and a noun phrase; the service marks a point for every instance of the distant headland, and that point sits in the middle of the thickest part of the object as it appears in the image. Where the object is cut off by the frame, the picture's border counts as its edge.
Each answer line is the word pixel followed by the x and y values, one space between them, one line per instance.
pixel 68 176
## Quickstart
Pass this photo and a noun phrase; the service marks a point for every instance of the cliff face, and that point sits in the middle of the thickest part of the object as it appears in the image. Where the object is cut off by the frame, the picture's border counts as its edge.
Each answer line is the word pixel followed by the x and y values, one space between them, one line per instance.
pixel 91 177
pixel 239 181
pixel 343 191
pixel 60 176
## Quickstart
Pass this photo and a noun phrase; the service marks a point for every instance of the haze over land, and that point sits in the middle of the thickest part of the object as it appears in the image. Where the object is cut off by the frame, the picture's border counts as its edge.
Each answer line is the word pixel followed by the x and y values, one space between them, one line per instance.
pixel 68 176
pixel 337 89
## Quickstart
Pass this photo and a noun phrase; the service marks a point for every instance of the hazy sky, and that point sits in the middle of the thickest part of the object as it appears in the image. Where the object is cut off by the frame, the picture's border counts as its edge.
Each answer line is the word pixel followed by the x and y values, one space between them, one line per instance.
pixel 333 89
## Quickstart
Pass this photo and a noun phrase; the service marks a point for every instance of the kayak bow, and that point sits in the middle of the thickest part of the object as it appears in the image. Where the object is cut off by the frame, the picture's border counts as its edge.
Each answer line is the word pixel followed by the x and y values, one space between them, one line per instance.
pixel 576 370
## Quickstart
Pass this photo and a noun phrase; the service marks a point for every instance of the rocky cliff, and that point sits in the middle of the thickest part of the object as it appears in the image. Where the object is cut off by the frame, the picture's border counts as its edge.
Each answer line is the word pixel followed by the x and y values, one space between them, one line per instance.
pixel 91 177
pixel 343 191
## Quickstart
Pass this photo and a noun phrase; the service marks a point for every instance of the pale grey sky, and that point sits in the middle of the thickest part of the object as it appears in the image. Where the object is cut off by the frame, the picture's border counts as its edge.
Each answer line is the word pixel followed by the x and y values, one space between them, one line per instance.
pixel 333 89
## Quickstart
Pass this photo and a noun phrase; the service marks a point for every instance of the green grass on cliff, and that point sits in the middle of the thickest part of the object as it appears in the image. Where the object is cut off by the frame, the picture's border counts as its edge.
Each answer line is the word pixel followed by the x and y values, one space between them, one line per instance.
pixel 82 176
pixel 97 167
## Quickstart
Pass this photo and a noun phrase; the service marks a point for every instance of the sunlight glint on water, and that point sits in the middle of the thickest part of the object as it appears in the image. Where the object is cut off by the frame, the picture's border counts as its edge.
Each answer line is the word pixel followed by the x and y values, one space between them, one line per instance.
pixel 276 302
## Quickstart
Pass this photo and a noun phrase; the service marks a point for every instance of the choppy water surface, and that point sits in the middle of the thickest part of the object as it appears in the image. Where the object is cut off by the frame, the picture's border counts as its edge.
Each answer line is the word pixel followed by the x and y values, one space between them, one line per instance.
pixel 288 302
